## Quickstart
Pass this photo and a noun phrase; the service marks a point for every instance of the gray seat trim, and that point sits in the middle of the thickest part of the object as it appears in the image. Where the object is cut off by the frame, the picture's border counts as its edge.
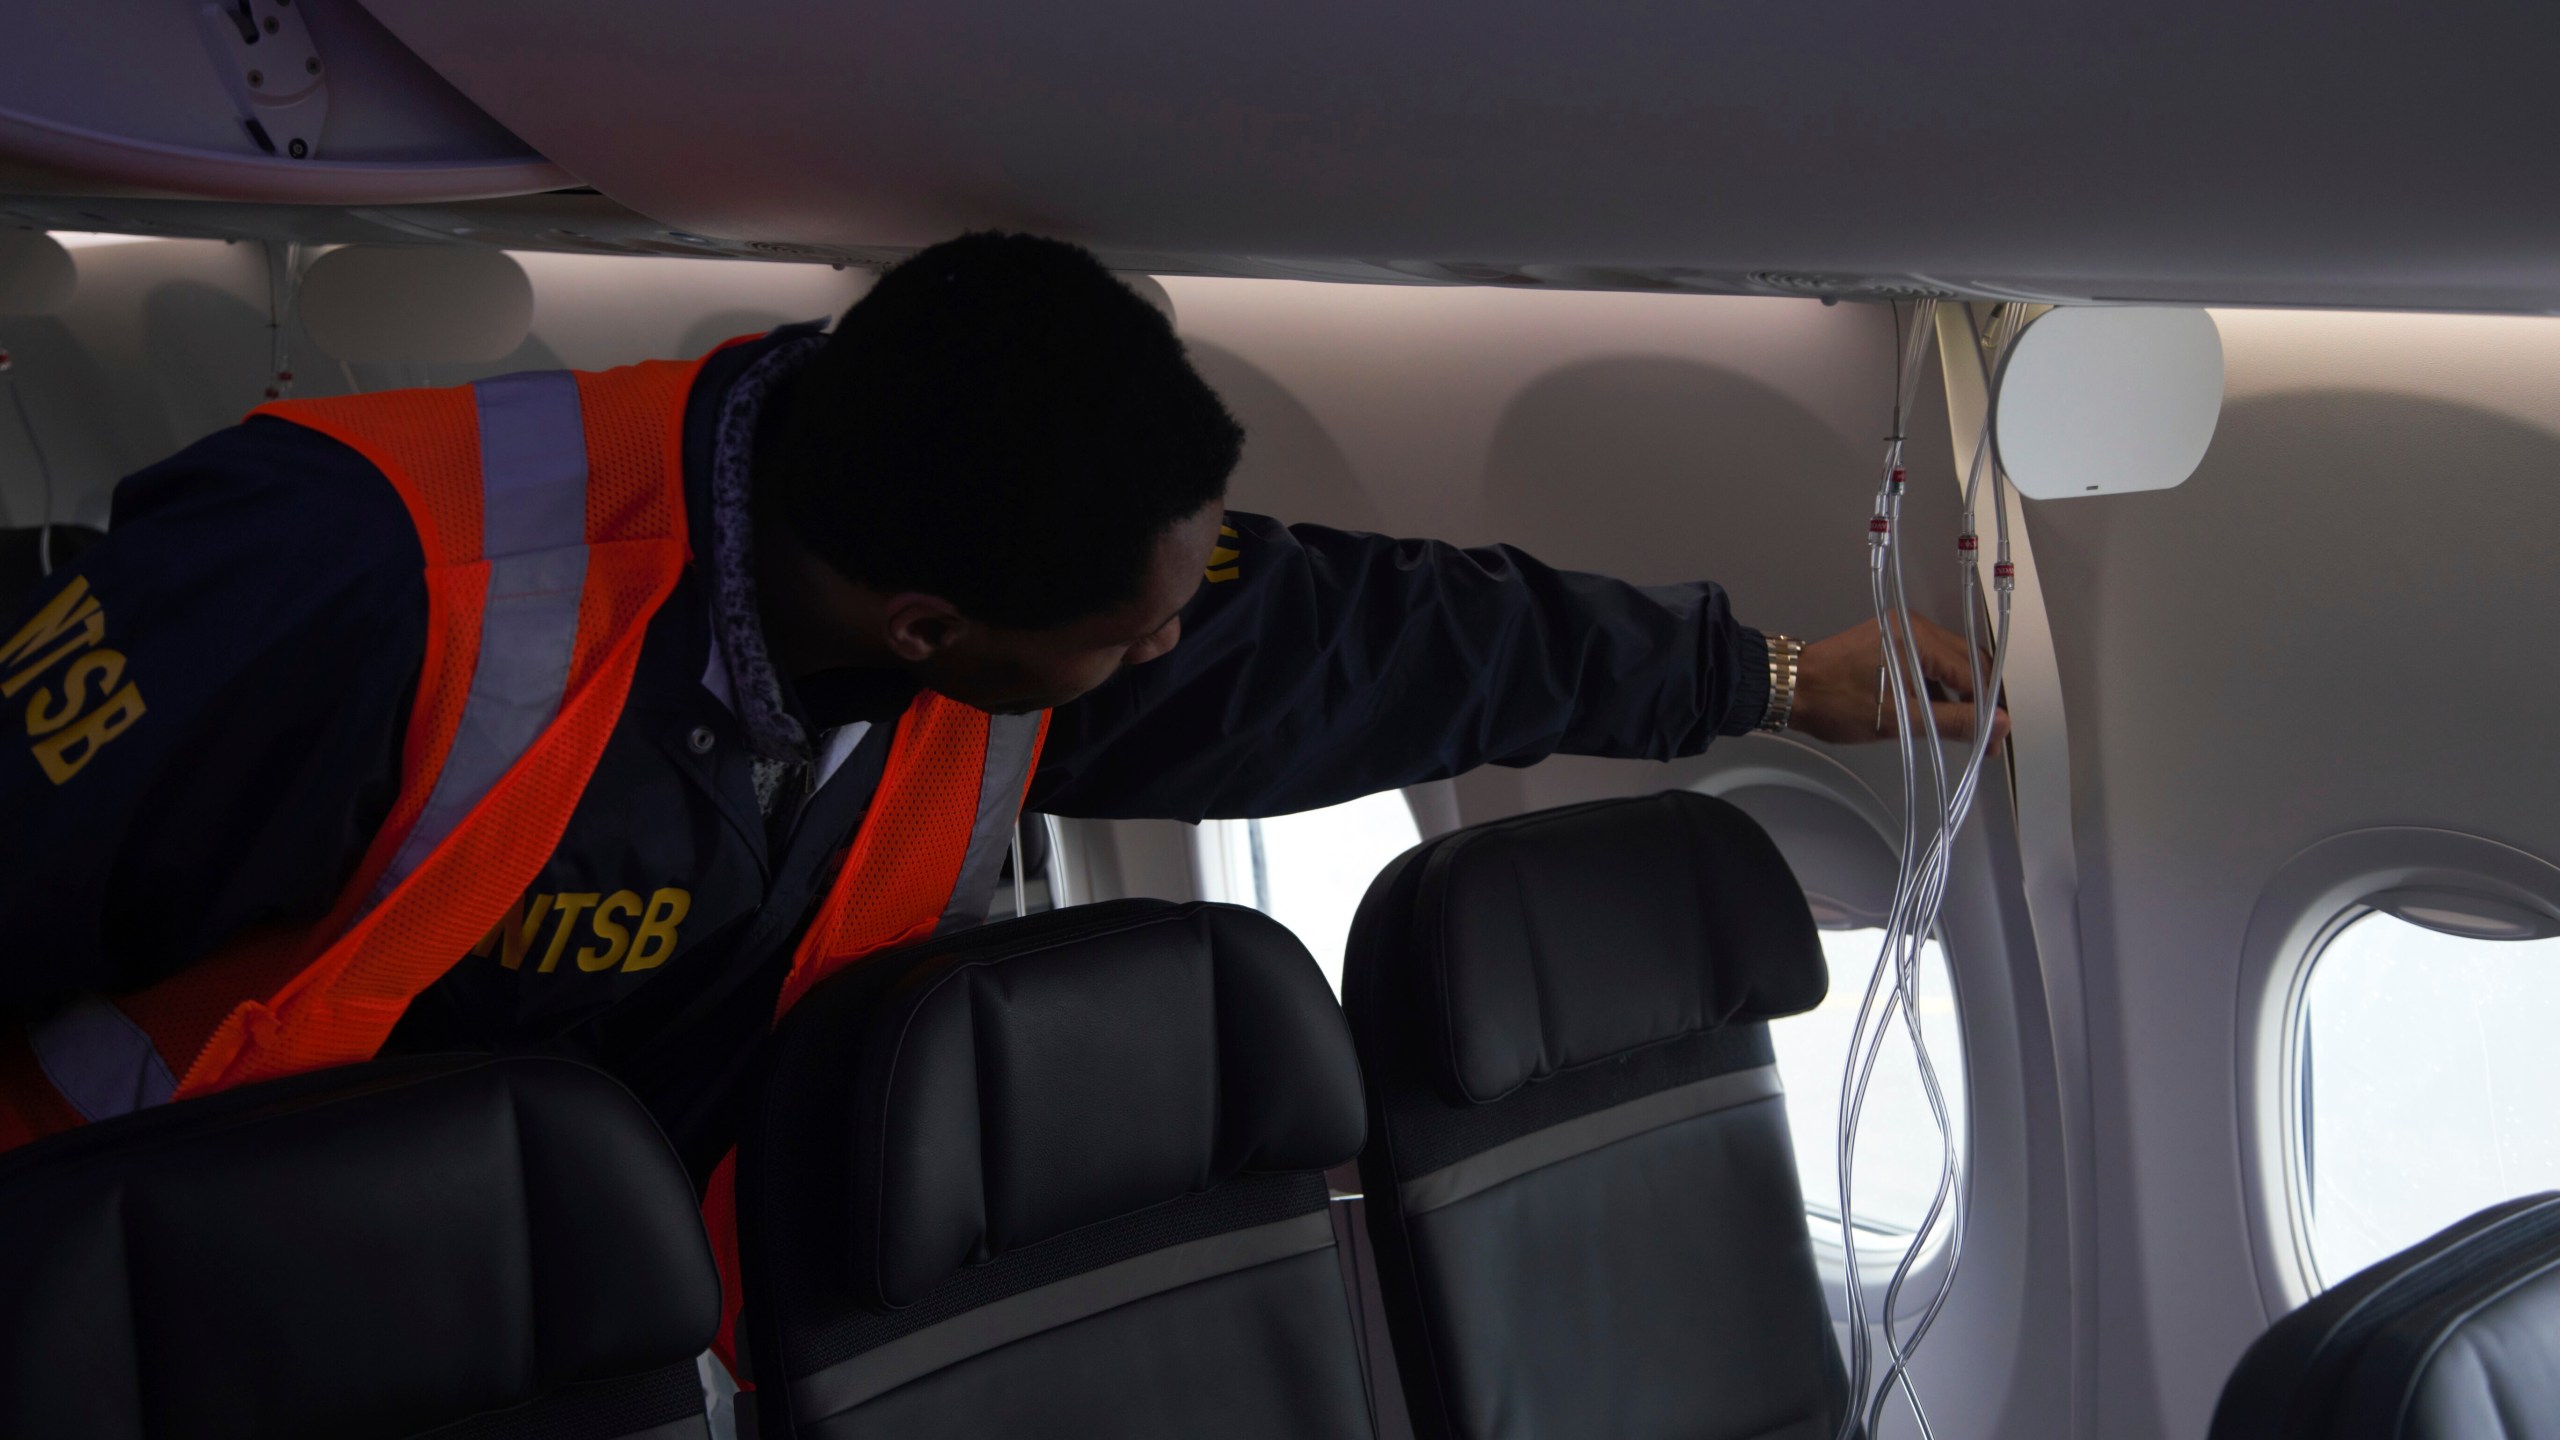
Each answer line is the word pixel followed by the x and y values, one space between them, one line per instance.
pixel 849 1382
pixel 1585 1133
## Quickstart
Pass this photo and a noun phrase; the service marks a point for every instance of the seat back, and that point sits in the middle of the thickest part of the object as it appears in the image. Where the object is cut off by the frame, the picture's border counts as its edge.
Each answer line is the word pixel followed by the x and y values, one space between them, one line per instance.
pixel 499 1249
pixel 1060 1176
pixel 2455 1338
pixel 1580 1184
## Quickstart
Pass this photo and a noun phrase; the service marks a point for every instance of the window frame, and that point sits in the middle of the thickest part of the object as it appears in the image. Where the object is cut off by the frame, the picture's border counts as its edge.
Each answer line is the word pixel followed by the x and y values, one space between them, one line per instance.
pixel 2308 903
pixel 1878 1245
pixel 1230 862
pixel 2292 1138
pixel 1786 765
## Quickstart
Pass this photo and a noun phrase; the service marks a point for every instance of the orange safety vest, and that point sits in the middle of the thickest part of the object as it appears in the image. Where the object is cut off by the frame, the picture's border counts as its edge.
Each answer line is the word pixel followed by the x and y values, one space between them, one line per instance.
pixel 550 509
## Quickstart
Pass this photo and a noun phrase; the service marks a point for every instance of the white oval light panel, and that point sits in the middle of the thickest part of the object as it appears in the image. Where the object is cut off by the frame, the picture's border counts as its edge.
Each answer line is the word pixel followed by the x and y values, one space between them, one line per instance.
pixel 417 304
pixel 2101 400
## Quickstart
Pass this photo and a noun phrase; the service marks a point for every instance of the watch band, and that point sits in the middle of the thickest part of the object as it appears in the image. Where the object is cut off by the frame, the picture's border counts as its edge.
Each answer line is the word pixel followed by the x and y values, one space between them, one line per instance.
pixel 1784 653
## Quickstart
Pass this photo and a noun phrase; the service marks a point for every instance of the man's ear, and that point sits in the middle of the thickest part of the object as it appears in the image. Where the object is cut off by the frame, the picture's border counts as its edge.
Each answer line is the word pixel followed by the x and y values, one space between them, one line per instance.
pixel 920 627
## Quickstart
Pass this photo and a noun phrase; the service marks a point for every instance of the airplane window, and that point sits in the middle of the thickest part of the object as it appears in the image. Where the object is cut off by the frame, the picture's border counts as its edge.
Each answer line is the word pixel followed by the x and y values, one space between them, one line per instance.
pixel 1898 1155
pixel 2424 1076
pixel 1309 870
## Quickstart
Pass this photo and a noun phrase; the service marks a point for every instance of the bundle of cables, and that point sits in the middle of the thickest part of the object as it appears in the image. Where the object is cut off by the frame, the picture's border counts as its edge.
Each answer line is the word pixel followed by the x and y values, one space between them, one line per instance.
pixel 1933 812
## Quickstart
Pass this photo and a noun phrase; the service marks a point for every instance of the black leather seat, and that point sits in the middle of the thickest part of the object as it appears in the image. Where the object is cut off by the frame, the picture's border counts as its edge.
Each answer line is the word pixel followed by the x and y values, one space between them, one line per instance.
pixel 2455 1338
pixel 469 1248
pixel 1056 1177
pixel 1580 1184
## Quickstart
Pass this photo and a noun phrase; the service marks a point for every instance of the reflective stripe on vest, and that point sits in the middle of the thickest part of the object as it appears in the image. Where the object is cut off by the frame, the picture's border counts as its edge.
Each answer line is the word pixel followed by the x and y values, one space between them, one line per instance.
pixel 100 1060
pixel 533 532
pixel 547 552
pixel 926 866
pixel 540 587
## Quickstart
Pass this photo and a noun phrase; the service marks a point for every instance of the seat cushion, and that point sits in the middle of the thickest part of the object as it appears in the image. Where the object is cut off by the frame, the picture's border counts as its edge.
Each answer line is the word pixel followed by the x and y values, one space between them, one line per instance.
pixel 1580 1182
pixel 378 1251
pixel 1262 1353
pixel 2455 1338
pixel 1017 1091
pixel 1060 1175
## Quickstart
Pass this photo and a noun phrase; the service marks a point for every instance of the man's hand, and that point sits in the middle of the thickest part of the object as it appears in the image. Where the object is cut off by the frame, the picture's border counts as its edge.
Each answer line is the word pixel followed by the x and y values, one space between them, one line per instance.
pixel 1836 689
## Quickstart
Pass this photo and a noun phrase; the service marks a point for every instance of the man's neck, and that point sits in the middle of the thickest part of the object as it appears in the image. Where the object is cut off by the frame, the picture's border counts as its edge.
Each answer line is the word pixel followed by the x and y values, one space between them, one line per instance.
pixel 789 602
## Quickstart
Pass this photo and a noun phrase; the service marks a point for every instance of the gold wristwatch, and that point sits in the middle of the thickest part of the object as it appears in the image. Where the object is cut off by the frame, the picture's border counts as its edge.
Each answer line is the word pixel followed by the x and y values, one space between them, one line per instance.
pixel 1784 651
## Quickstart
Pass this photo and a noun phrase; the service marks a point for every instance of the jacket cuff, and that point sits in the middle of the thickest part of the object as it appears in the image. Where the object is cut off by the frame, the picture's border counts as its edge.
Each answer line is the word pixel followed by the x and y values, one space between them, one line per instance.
pixel 1750 693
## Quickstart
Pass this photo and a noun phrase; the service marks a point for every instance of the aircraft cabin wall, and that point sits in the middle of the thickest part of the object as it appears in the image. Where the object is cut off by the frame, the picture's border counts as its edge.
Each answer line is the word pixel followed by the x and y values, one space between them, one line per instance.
pixel 2324 630
pixel 1666 439
pixel 165 341
pixel 2343 621
pixel 2329 628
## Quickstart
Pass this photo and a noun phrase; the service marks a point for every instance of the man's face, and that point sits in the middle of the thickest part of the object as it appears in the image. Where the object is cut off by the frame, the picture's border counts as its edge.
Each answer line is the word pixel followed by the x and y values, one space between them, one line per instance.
pixel 1015 672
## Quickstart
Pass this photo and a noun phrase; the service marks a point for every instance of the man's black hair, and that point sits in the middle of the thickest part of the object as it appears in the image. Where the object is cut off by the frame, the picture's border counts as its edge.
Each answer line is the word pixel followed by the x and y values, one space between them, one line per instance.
pixel 1002 423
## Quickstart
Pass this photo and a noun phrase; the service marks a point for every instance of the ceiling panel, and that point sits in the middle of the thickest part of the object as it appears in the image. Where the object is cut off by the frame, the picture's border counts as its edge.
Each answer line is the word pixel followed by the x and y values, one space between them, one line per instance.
pixel 262 101
pixel 2359 153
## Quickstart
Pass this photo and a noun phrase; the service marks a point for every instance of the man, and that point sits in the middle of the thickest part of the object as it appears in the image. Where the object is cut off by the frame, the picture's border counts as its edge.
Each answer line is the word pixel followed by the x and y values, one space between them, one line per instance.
pixel 602 715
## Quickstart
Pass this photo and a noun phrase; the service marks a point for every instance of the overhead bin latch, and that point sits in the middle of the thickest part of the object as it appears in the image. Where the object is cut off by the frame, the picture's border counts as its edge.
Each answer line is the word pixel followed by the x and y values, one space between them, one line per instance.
pixel 264 54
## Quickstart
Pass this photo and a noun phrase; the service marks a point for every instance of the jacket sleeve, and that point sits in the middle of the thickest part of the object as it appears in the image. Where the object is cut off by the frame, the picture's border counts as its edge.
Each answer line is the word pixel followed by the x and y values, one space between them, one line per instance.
pixel 203 716
pixel 1318 665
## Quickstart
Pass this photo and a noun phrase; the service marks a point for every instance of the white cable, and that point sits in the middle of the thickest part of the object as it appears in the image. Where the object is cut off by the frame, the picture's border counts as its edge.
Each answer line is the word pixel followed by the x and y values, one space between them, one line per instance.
pixel 1853 1088
pixel 1920 889
pixel 284 298
pixel 44 465
pixel 1986 689
pixel 1948 1197
pixel 1914 924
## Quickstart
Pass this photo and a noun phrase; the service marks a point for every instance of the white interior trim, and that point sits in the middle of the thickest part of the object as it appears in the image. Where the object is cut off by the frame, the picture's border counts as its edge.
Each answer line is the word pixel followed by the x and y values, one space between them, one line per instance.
pixel 2039 756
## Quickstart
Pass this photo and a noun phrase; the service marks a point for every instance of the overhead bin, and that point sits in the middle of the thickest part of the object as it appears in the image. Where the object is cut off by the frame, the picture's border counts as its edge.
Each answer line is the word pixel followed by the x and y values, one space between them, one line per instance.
pixel 2368 154
pixel 306 101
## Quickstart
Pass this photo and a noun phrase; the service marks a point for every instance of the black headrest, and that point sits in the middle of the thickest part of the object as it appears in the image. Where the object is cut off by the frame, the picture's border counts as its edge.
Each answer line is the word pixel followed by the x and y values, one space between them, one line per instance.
pixel 2382 1352
pixel 1554 940
pixel 1043 1077
pixel 362 1253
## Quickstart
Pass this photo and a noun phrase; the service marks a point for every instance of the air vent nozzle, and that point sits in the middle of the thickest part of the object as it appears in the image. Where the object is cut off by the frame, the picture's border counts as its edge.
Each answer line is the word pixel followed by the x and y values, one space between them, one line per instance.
pixel 1849 287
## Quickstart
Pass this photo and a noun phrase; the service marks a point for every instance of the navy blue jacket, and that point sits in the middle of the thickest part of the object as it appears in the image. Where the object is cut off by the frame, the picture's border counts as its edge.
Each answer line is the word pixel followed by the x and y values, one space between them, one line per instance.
pixel 264 586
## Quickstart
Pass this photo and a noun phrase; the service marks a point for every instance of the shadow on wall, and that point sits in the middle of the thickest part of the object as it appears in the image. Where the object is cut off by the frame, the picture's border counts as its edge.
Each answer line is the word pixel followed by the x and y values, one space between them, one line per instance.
pixel 533 354
pixel 210 354
pixel 211 361
pixel 2363 534
pixel 2344 618
pixel 537 354
pixel 59 376
pixel 709 331
pixel 1662 470
pixel 1292 469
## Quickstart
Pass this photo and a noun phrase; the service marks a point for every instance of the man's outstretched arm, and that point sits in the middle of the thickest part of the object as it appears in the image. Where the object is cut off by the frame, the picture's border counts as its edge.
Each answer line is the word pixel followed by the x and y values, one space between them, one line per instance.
pixel 1317 665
